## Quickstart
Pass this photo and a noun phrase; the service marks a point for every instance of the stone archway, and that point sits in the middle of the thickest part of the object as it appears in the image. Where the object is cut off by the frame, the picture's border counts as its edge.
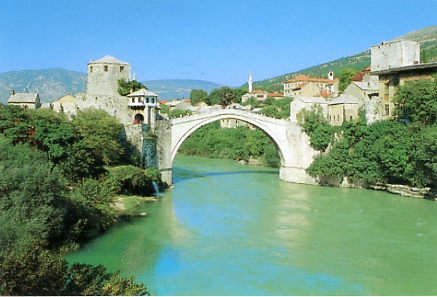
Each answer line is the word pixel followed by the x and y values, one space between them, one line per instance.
pixel 139 118
pixel 293 145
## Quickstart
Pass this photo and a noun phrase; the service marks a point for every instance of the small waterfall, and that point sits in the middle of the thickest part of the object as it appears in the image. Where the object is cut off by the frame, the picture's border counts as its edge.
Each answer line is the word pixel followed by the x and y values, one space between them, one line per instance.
pixel 156 188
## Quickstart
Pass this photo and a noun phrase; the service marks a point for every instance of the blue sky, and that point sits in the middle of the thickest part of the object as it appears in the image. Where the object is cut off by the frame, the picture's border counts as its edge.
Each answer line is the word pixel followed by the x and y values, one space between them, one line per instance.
pixel 215 40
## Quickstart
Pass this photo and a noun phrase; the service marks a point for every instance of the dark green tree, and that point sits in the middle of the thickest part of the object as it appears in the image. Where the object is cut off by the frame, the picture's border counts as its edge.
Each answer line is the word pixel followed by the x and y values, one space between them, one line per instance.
pixel 227 96
pixel 416 101
pixel 127 87
pixel 197 96
pixel 345 78
pixel 214 98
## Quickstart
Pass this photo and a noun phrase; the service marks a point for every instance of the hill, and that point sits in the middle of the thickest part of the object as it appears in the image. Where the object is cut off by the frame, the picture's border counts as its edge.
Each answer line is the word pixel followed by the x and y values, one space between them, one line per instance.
pixel 426 37
pixel 168 89
pixel 54 83
pixel 50 84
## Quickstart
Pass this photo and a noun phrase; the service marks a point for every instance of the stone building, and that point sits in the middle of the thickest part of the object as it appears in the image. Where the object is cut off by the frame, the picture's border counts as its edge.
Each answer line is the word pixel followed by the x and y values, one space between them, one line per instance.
pixel 302 102
pixel 141 103
pixel 303 85
pixel 364 87
pixel 341 109
pixel 67 104
pixel 395 63
pixel 102 93
pixel 25 100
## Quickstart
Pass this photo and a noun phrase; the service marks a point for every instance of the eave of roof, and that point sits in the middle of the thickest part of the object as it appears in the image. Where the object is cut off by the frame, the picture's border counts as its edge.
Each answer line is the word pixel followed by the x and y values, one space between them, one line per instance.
pixel 406 68
pixel 142 92
pixel 23 98
pixel 109 60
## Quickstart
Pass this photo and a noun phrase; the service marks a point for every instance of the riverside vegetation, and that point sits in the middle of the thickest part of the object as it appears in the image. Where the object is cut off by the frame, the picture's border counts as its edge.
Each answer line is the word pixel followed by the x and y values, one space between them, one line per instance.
pixel 59 181
pixel 402 150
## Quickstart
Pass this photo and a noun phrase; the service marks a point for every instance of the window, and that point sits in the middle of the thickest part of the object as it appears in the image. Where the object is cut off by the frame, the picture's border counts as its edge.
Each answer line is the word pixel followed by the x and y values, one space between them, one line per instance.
pixel 105 68
pixel 121 68
pixel 91 69
pixel 133 99
pixel 351 118
pixel 387 109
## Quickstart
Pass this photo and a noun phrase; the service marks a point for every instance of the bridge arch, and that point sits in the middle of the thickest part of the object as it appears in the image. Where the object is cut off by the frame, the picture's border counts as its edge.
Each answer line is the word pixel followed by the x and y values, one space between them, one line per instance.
pixel 293 145
pixel 268 130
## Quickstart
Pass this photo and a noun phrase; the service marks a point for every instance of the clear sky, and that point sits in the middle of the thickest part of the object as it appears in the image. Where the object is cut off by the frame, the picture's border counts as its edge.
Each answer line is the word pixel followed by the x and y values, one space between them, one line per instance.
pixel 215 40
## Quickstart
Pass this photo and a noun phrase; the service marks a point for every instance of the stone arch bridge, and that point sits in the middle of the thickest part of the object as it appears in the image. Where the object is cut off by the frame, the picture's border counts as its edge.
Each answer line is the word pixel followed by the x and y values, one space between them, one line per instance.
pixel 292 144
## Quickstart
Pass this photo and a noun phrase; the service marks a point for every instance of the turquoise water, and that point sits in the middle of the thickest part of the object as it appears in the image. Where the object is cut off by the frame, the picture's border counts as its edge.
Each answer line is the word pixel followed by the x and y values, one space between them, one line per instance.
pixel 231 229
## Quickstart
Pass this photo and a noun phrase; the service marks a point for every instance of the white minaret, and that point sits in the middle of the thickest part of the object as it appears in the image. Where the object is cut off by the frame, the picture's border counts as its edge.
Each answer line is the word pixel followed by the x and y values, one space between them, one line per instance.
pixel 250 82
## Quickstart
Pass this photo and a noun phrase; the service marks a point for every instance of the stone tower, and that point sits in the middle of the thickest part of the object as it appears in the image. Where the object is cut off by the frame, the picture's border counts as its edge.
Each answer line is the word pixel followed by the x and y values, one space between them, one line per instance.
pixel 250 82
pixel 103 76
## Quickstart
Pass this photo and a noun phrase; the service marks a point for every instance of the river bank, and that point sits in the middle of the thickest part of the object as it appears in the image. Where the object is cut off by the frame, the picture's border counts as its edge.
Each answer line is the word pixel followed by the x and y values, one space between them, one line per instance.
pixel 402 190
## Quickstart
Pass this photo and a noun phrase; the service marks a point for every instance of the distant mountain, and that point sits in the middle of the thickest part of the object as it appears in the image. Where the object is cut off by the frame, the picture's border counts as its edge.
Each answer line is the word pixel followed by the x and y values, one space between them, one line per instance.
pixel 168 89
pixel 426 37
pixel 50 84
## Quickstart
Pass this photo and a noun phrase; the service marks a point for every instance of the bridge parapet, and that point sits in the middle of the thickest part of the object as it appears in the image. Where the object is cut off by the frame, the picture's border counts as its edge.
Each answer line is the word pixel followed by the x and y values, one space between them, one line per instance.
pixel 231 112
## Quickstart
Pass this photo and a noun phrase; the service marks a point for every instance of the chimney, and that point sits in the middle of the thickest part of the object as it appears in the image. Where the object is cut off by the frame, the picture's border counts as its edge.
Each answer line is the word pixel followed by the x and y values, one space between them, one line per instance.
pixel 12 92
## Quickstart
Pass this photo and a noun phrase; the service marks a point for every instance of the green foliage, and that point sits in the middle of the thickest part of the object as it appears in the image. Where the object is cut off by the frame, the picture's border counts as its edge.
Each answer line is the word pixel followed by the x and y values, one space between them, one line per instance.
pixel 252 102
pixel 176 113
pixel 316 126
pixel 223 96
pixel 241 143
pixel 345 78
pixel 214 98
pixel 386 152
pixel 197 96
pixel 270 111
pixel 127 87
pixel 269 101
pixel 87 280
pixel 164 109
pixel 54 194
pixel 239 92
pixel 279 109
pixel 416 101
pixel 134 180
pixel 100 133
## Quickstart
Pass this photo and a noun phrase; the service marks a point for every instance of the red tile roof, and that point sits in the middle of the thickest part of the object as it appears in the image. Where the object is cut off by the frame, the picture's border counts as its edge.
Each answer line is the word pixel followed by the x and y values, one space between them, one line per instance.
pixel 275 95
pixel 305 78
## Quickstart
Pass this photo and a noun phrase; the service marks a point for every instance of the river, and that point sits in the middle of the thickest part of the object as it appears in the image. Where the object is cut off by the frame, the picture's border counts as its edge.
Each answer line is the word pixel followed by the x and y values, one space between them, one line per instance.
pixel 232 229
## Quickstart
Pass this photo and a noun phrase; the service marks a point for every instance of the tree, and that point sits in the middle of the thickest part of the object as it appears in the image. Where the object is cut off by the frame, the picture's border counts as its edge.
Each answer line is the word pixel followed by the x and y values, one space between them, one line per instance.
pixel 252 102
pixel 270 111
pixel 197 96
pixel 214 98
pixel 239 92
pixel 416 101
pixel 222 96
pixel 176 113
pixel 101 134
pixel 345 78
pixel 227 96
pixel 127 87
